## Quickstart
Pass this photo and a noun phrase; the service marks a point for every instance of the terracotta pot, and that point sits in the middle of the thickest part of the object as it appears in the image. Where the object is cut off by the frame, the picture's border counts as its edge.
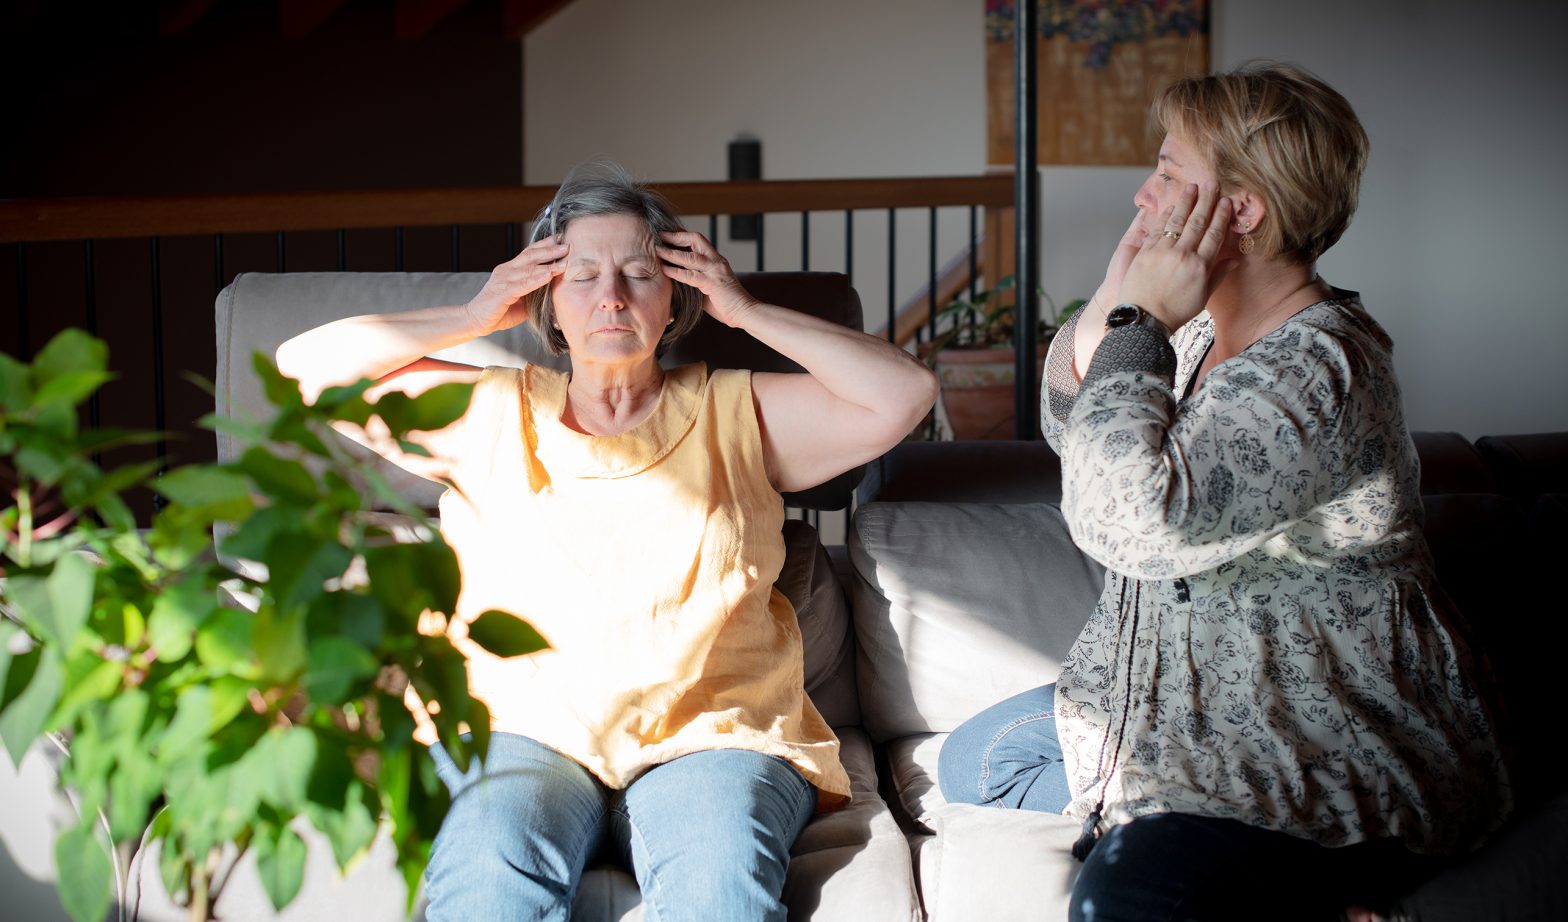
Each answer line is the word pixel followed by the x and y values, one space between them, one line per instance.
pixel 977 390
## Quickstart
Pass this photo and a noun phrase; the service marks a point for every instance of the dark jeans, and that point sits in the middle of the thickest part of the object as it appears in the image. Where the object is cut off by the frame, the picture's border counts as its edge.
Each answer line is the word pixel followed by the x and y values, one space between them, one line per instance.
pixel 1171 866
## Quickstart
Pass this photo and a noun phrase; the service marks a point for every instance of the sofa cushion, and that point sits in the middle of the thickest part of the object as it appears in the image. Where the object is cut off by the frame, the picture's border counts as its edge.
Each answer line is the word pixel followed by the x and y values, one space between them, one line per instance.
pixel 959 605
pixel 997 865
pixel 809 582
pixel 912 775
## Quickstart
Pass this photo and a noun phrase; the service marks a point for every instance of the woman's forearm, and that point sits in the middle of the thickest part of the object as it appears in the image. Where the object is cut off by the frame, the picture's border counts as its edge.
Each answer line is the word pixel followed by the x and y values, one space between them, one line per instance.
pixel 371 346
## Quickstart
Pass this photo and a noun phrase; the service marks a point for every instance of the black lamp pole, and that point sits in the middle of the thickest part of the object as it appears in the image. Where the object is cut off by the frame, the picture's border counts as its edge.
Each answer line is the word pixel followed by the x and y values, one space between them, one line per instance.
pixel 1026 203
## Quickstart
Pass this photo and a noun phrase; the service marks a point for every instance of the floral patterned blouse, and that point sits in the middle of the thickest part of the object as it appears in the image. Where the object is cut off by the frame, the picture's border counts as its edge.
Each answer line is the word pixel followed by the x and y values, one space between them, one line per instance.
pixel 1271 645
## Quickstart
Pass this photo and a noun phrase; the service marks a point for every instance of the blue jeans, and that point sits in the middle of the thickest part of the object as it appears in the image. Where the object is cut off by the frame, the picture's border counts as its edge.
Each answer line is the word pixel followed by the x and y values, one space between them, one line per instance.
pixel 1170 866
pixel 1007 756
pixel 707 835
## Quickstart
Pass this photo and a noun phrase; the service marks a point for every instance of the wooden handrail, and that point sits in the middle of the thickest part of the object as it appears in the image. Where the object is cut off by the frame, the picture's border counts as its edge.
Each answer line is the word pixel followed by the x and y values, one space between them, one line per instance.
pixel 37 220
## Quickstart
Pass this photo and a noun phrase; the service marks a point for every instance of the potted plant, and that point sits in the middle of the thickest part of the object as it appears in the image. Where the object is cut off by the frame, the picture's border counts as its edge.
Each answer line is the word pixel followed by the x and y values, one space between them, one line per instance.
pixel 974 356
pixel 211 728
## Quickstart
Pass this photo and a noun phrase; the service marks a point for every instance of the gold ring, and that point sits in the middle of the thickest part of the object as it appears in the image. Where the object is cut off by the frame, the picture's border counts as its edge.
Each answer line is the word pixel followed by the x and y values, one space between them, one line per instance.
pixel 1169 233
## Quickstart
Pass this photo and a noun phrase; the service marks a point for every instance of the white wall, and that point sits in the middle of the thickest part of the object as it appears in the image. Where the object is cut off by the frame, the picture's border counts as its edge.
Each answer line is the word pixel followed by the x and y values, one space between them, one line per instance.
pixel 1456 246
pixel 1459 244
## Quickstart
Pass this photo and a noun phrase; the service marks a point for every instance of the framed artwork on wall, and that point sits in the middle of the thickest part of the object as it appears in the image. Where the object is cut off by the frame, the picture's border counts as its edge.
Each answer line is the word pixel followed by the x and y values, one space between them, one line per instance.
pixel 1100 62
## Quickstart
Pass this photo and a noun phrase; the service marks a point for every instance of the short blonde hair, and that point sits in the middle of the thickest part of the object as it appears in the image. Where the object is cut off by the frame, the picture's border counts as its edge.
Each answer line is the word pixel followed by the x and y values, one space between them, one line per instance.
pixel 1281 133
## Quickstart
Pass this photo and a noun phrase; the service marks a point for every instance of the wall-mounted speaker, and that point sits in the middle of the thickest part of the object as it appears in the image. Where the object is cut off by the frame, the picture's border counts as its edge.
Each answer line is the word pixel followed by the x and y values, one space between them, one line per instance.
pixel 745 163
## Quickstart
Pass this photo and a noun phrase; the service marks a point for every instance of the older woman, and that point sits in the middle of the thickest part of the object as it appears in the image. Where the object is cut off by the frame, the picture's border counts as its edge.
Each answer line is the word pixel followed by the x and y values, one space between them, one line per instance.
pixel 633 516
pixel 1271 710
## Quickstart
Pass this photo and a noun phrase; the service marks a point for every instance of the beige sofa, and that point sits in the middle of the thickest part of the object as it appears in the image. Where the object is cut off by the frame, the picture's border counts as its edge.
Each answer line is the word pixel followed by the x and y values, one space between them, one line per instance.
pixel 958 587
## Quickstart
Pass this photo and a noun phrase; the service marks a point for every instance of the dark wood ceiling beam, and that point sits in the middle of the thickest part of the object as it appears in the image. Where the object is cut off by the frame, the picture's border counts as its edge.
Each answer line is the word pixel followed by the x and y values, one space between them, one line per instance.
pixel 414 18
pixel 520 17
pixel 179 16
pixel 299 18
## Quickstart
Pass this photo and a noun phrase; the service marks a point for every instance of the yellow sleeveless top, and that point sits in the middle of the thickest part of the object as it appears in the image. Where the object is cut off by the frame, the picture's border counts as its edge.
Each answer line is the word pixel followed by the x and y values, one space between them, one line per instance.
pixel 647 560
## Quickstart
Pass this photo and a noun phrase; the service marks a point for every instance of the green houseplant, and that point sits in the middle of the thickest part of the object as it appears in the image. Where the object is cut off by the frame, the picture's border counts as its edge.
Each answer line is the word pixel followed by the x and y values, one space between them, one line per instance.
pixel 209 728
pixel 974 357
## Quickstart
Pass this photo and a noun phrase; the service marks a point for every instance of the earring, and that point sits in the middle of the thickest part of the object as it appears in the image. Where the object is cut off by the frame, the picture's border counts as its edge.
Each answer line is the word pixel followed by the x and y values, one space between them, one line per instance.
pixel 670 322
pixel 1247 241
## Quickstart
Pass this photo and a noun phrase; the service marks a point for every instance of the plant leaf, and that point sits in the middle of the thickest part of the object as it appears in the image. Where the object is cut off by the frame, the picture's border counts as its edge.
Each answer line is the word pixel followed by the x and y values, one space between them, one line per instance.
pixel 16 384
pixel 70 598
pixel 137 779
pixel 87 679
pixel 84 871
pixel 280 478
pixel 411 578
pixel 505 635
pixel 280 863
pixel 282 391
pixel 352 828
pixel 218 493
pixel 72 387
pixel 278 637
pixel 436 408
pixel 336 663
pixel 70 351
pixel 28 713
pixel 298 566
pixel 191 727
pixel 223 642
pixel 177 612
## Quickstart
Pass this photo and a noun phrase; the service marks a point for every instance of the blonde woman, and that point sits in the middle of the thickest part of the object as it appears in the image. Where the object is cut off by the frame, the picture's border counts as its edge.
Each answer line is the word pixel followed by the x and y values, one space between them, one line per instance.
pixel 1272 712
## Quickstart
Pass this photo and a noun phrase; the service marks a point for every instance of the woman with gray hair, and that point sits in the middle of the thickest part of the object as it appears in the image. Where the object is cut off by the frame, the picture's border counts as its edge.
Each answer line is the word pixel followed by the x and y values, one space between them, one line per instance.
pixel 1273 711
pixel 632 515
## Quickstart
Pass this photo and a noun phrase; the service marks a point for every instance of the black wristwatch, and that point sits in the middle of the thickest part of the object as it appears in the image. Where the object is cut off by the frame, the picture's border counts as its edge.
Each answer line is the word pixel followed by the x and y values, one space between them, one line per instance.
pixel 1128 314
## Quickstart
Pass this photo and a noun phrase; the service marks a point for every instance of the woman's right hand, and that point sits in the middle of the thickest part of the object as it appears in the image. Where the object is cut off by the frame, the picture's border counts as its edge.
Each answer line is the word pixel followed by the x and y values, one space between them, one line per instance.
pixel 499 305
pixel 1131 242
pixel 1091 326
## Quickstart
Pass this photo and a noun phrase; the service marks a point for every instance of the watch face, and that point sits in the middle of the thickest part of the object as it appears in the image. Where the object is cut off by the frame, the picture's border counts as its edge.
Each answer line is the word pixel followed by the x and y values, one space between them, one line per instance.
pixel 1123 314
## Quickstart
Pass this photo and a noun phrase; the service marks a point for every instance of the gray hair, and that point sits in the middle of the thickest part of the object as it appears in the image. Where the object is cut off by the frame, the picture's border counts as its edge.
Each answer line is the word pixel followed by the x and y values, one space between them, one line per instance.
pixel 605 188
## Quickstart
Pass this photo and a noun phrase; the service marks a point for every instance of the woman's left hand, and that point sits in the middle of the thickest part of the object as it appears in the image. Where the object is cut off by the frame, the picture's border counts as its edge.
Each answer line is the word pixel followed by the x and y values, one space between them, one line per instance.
pixel 690 258
pixel 1177 268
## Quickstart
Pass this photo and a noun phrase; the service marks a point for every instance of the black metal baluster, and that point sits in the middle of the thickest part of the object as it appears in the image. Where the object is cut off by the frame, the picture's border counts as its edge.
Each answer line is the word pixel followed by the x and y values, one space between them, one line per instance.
pixel 849 245
pixel 762 222
pixel 24 349
pixel 282 254
pixel 892 252
pixel 457 248
pixel 160 416
pixel 931 284
pixel 1026 191
pixel 805 241
pixel 713 230
pixel 397 249
pixel 511 239
pixel 342 250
